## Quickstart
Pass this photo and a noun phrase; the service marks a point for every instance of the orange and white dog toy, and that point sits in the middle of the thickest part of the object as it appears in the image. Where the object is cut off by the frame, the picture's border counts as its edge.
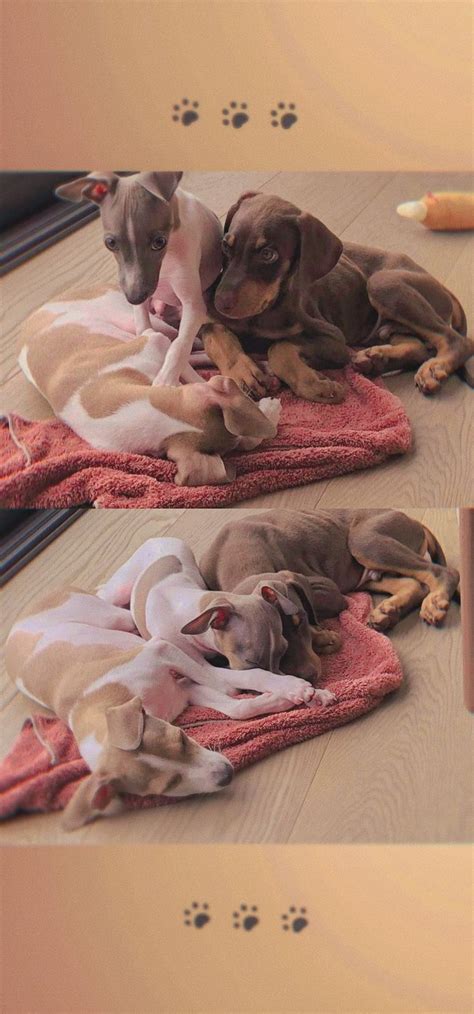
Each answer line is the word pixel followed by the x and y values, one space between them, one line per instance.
pixel 441 211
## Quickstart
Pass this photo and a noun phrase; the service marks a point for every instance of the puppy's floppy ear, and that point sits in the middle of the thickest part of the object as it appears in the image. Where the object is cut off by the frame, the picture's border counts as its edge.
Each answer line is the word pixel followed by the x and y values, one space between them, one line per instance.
pixel 90 800
pixel 274 594
pixel 216 617
pixel 320 250
pixel 302 587
pixel 235 207
pixel 291 593
pixel 242 416
pixel 125 724
pixel 94 187
pixel 161 185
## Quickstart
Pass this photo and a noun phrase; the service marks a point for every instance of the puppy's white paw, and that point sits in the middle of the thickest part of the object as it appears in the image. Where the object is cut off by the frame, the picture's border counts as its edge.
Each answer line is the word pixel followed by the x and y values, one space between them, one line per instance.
pixel 296 690
pixel 303 693
pixel 271 408
pixel 116 595
pixel 324 697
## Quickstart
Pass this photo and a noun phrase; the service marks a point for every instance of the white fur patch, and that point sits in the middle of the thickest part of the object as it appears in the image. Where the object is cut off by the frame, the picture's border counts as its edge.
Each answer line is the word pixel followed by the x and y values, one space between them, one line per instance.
pixel 148 361
pixel 137 427
pixel 271 408
pixel 90 749
pixel 23 363
pixel 109 314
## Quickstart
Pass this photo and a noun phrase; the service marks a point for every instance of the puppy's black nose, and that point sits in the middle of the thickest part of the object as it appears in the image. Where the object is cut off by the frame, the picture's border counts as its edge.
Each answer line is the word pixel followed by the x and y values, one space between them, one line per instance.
pixel 136 298
pixel 226 777
pixel 224 303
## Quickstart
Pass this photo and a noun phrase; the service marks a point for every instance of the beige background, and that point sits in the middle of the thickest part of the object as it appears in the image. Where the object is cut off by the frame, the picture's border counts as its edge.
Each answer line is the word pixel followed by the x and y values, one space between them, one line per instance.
pixel 102 929
pixel 377 85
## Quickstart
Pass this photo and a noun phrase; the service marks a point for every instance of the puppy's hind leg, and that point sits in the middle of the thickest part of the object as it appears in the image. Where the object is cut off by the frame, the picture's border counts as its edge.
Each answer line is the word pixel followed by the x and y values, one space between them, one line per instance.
pixel 405 594
pixel 195 468
pixel 118 588
pixel 402 353
pixel 393 545
pixel 427 310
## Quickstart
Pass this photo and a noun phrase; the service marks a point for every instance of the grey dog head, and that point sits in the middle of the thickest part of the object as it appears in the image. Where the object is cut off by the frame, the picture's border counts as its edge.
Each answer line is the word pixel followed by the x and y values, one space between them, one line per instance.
pixel 138 215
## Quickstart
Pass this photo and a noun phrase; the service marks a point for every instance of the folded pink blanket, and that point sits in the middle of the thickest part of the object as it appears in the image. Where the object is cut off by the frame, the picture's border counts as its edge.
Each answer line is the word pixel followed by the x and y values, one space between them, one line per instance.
pixel 55 468
pixel 360 674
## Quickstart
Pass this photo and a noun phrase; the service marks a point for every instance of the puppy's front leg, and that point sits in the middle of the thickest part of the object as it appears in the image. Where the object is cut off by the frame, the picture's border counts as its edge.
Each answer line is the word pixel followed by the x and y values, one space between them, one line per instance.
pixel 190 376
pixel 176 362
pixel 247 707
pixel 292 687
pixel 224 349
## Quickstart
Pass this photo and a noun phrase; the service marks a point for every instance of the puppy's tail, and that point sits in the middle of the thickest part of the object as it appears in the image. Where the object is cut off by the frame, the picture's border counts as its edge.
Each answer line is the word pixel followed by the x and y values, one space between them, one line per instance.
pixel 434 548
pixel 437 556
pixel 459 324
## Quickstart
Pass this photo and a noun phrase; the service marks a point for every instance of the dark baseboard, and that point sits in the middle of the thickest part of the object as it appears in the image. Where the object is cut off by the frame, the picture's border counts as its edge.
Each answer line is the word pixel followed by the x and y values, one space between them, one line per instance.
pixel 33 530
pixel 41 230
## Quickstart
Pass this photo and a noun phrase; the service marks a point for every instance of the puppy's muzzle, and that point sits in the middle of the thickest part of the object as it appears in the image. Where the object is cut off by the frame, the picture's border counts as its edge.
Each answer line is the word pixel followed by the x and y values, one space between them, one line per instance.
pixel 137 296
pixel 226 775
pixel 225 302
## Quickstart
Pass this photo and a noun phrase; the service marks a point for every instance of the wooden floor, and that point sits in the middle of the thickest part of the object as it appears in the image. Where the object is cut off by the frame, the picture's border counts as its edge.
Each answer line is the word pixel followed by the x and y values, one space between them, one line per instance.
pixel 399 774
pixel 359 207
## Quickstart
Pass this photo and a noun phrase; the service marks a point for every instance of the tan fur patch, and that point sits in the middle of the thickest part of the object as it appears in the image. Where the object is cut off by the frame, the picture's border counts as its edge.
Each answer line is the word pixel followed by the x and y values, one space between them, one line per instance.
pixel 62 359
pixel 255 296
pixel 56 675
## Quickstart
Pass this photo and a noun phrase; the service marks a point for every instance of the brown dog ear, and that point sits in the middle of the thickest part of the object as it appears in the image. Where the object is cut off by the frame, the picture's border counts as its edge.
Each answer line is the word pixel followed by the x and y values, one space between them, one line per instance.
pixel 216 617
pixel 162 185
pixel 235 207
pixel 125 724
pixel 276 597
pixel 89 800
pixel 302 588
pixel 279 593
pixel 93 187
pixel 242 416
pixel 320 250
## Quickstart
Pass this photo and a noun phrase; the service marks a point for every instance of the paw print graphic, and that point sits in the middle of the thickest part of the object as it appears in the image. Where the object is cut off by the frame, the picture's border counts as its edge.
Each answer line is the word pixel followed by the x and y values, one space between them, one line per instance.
pixel 236 115
pixel 295 919
pixel 185 112
pixel 284 116
pixel 246 918
pixel 197 915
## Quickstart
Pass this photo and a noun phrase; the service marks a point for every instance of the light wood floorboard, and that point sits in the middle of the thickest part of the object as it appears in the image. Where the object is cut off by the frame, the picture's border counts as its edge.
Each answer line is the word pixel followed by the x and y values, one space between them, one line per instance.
pixel 401 773
pixel 360 207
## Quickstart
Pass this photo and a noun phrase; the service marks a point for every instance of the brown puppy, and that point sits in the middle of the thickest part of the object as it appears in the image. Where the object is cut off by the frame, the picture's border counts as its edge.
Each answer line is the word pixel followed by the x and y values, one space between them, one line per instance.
pixel 320 555
pixel 291 288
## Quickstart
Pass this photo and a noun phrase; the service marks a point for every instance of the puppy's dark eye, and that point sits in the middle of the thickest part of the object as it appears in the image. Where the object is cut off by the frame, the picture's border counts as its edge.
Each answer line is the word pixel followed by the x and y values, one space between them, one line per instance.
pixel 158 242
pixel 268 254
pixel 110 242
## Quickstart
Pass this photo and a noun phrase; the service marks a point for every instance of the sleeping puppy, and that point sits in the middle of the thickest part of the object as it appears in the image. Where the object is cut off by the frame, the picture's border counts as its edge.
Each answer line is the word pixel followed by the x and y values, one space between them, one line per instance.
pixel 332 553
pixel 290 288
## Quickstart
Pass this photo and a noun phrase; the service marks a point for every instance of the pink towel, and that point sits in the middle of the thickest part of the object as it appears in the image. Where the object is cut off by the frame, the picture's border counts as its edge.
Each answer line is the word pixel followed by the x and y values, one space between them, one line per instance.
pixel 58 469
pixel 360 674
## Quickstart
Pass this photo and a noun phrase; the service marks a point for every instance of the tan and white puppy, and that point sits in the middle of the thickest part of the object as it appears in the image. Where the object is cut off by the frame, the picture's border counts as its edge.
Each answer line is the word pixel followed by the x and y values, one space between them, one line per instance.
pixel 80 352
pixel 83 659
pixel 168 598
pixel 167 245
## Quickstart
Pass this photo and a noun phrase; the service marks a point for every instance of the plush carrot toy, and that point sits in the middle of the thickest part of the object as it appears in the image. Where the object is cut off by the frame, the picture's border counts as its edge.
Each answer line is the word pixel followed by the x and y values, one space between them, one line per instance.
pixel 448 211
